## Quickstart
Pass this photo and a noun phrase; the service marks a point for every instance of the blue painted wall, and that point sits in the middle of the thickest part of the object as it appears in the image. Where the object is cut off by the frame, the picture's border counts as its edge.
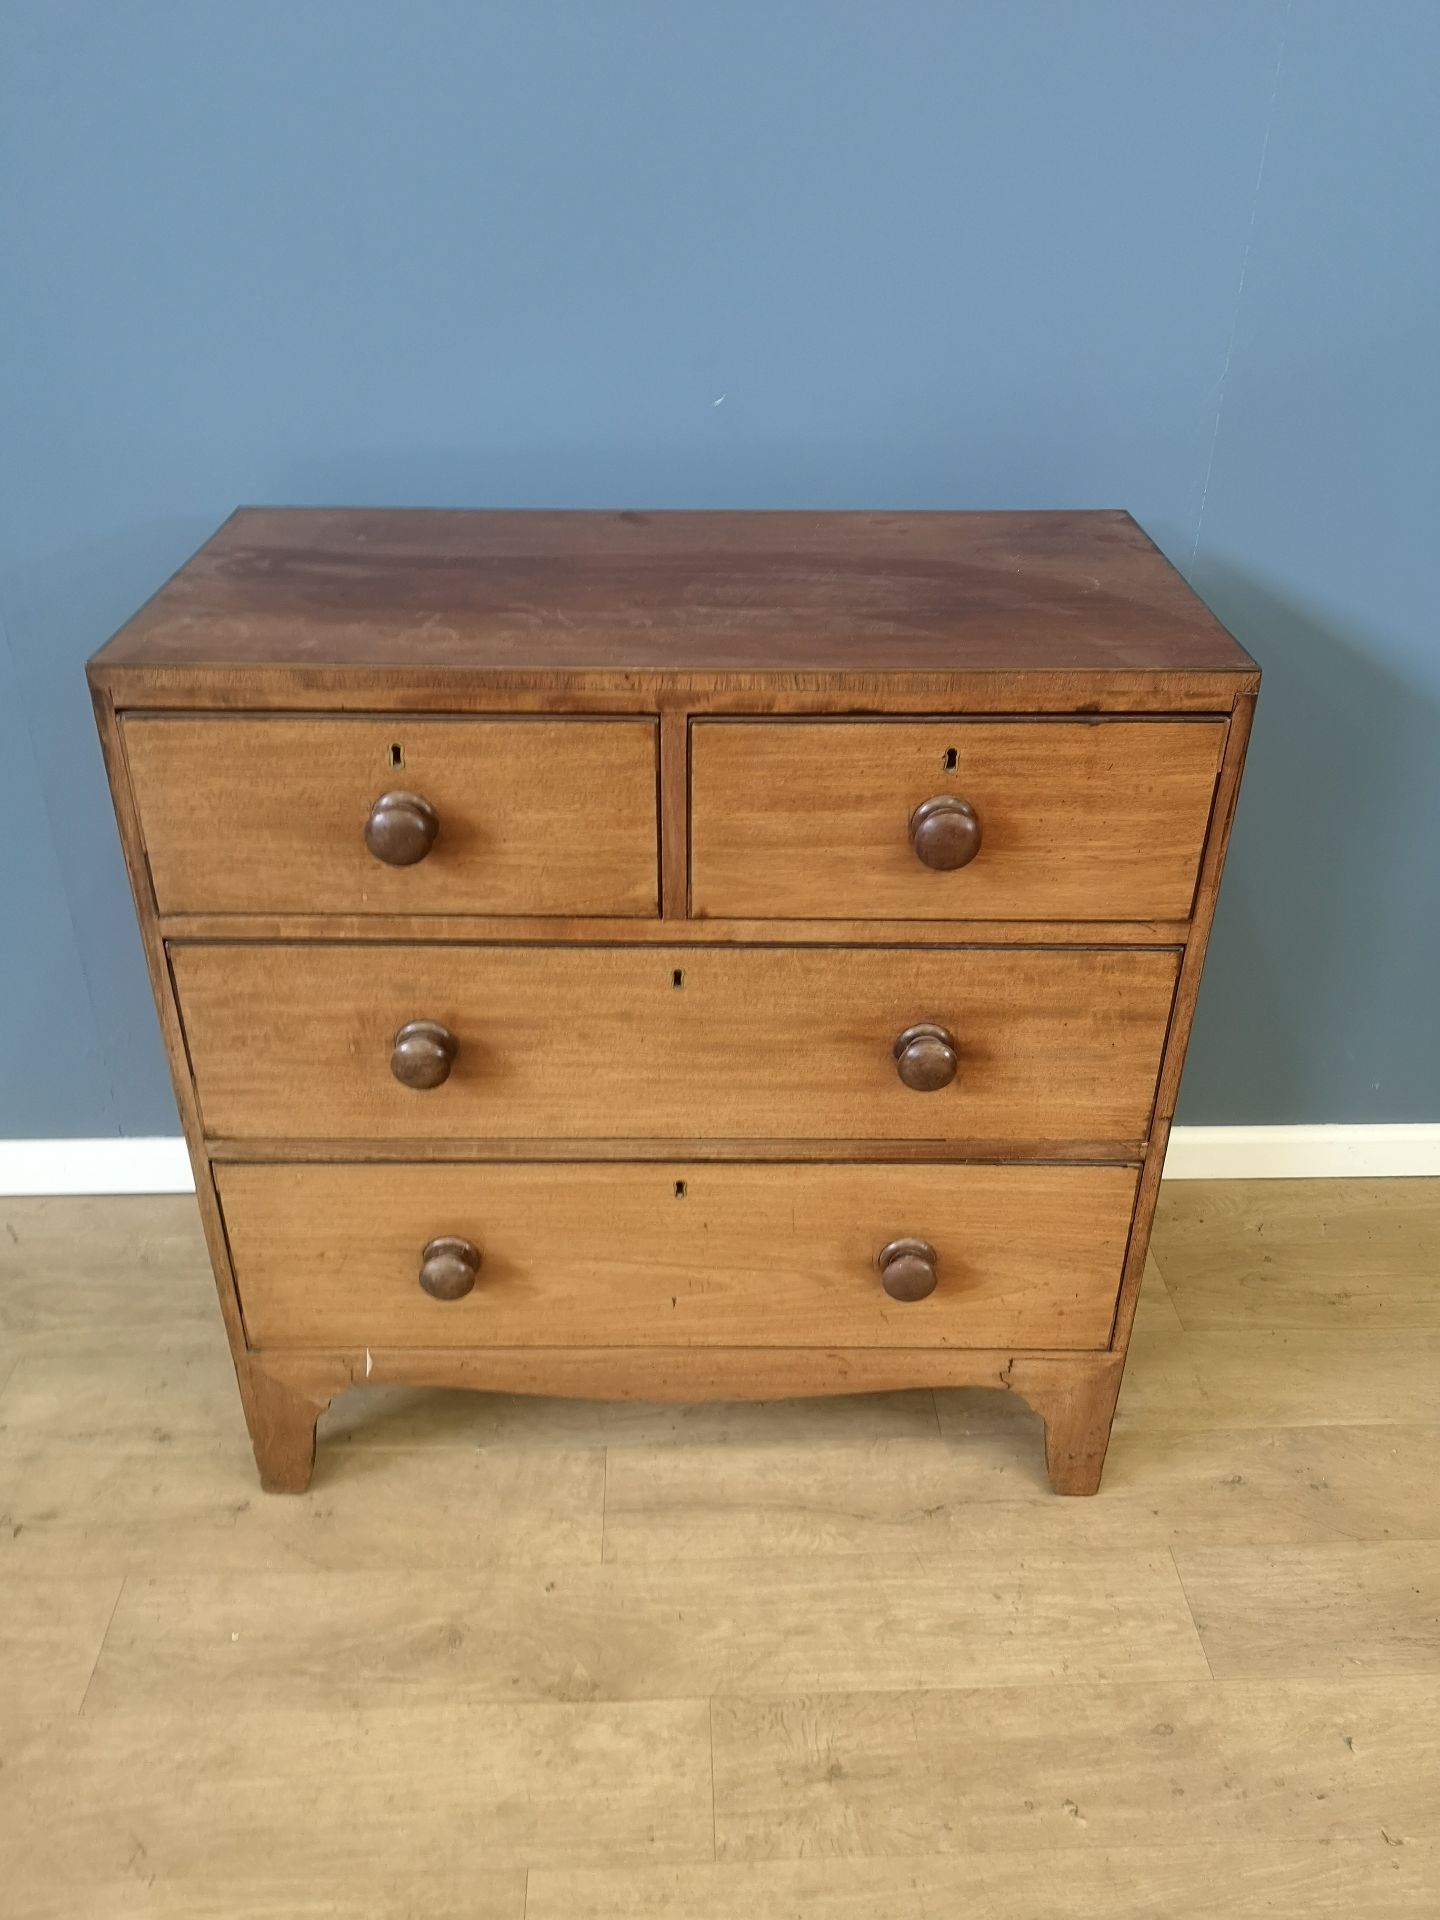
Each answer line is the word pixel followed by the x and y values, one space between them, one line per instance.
pixel 1175 257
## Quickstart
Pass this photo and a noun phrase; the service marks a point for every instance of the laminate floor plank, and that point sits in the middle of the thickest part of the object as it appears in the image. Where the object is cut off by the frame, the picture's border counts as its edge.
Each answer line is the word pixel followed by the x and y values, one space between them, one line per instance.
pixel 1155 1310
pixel 644 1633
pixel 1301 1253
pixel 316 1798
pixel 1265 1879
pixel 1075 1768
pixel 1277 1378
pixel 183 1396
pixel 89 1510
pixel 1340 1609
pixel 104 1272
pixel 51 1631
pixel 981 1494
pixel 367 1891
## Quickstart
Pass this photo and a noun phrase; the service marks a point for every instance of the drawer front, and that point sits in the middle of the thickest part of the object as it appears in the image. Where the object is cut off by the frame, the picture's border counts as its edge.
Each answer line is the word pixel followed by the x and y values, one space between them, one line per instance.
pixel 676 1255
pixel 737 1043
pixel 244 815
pixel 1100 820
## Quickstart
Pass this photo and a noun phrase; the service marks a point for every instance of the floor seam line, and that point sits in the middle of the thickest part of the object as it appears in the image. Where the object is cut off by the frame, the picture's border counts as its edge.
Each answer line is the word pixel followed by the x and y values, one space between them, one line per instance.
pixel 714 1840
pixel 100 1650
pixel 1190 1609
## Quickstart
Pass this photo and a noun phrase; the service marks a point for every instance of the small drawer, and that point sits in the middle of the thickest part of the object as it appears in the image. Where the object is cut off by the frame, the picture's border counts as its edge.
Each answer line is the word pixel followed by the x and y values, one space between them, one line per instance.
pixel 353 1042
pixel 397 815
pixel 950 819
pixel 677 1255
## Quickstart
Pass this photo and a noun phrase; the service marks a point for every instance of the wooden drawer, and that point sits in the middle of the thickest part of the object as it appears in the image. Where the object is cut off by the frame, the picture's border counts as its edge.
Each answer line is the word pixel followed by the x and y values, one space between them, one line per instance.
pixel 249 815
pixel 680 1255
pixel 737 1043
pixel 1078 820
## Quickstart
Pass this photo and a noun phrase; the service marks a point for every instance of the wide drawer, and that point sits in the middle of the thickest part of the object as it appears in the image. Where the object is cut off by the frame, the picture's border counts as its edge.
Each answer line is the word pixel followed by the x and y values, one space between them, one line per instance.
pixel 733 1043
pixel 250 815
pixel 672 1255
pixel 1074 820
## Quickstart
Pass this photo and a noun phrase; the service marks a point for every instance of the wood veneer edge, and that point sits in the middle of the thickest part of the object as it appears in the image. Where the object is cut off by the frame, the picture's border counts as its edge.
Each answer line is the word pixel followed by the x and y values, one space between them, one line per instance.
pixel 623 930
pixel 270 1151
pixel 1187 990
pixel 672 812
pixel 460 690
pixel 132 846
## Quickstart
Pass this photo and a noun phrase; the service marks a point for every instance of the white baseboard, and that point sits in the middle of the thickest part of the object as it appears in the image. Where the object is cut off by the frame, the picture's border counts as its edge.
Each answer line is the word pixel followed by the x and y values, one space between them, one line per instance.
pixel 1302 1153
pixel 95 1166
pixel 1196 1153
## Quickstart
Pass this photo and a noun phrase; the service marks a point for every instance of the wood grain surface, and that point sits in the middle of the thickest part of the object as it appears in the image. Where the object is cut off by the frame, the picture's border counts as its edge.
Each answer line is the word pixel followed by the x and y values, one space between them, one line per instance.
pixel 1262 1254
pixel 1187 992
pixel 245 815
pixel 546 930
pixel 733 1256
pixel 1082 821
pixel 1127 1766
pixel 326 1641
pixel 611 1042
pixel 682 592
pixel 1267 1878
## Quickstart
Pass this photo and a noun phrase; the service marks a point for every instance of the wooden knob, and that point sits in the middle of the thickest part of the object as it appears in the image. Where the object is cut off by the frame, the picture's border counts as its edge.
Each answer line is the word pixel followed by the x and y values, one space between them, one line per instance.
pixel 945 833
pixel 448 1267
pixel 401 829
pixel 907 1269
pixel 926 1058
pixel 423 1054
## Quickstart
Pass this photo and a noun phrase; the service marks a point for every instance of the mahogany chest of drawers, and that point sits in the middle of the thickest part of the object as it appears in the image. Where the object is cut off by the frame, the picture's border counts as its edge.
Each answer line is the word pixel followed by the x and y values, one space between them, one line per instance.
pixel 676 955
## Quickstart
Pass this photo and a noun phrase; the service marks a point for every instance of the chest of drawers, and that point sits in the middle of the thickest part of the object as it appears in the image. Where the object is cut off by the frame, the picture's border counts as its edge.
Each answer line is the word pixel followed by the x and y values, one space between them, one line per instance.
pixel 675 955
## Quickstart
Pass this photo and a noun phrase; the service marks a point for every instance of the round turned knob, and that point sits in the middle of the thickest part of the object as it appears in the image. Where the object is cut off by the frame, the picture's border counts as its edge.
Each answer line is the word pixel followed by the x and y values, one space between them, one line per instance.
pixel 423 1054
pixel 907 1269
pixel 401 829
pixel 945 833
pixel 448 1267
pixel 926 1058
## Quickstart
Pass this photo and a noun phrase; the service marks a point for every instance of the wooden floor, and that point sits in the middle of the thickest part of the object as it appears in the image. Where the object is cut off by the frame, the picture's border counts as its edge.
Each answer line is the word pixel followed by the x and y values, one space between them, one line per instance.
pixel 846 1659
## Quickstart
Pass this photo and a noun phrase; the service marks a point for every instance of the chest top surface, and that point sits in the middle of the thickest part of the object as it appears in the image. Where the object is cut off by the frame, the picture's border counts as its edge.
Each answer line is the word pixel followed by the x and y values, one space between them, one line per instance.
pixel 370 591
